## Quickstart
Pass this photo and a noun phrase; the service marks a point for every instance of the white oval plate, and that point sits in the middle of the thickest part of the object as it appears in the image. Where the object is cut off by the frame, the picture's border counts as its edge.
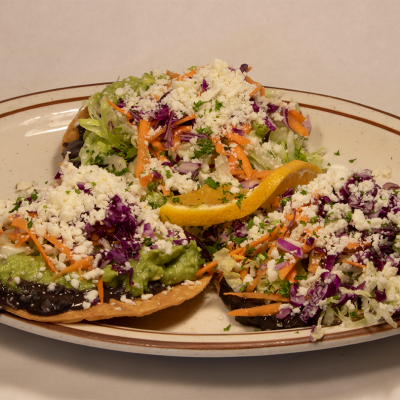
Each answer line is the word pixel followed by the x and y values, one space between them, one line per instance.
pixel 31 129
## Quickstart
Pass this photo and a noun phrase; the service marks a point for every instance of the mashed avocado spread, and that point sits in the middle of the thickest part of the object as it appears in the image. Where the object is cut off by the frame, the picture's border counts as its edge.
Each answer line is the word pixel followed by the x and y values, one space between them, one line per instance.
pixel 180 265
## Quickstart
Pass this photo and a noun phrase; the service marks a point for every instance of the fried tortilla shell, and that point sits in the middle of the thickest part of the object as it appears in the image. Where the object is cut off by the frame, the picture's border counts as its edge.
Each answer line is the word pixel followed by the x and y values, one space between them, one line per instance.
pixel 72 132
pixel 115 308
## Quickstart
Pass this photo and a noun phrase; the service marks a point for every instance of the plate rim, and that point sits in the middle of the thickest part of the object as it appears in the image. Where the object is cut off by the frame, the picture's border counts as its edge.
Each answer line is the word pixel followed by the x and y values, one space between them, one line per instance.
pixel 203 347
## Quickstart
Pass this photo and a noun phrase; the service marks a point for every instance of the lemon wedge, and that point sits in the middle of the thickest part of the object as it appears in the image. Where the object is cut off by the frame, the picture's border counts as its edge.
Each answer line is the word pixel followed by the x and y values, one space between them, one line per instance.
pixel 208 206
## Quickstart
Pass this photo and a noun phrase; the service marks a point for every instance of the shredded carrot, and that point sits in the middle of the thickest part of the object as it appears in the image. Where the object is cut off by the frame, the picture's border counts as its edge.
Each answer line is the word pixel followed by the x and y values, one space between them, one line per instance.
pixel 265 296
pixel 176 141
pixel 241 155
pixel 314 260
pixel 126 113
pixel 291 275
pixel 100 289
pixel 156 134
pixel 86 263
pixel 351 247
pixel 206 268
pixel 145 180
pixel 285 270
pixel 21 224
pixel 188 75
pixel 156 97
pixel 276 202
pixel 354 264
pixel 157 145
pixel 232 161
pixel 183 128
pixel 142 160
pixel 64 249
pixel 172 75
pixel 246 128
pixel 256 280
pixel 297 126
pixel 22 240
pixel 184 119
pixel 166 192
pixel 267 237
pixel 261 174
pixel 295 114
pixel 261 311
pixel 256 90
pixel 237 138
pixel 218 146
pixel 243 273
pixel 237 257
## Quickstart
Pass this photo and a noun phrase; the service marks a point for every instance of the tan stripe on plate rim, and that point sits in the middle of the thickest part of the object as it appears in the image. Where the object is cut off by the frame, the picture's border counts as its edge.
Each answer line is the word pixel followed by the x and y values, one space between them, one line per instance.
pixel 212 345
pixel 50 103
pixel 175 345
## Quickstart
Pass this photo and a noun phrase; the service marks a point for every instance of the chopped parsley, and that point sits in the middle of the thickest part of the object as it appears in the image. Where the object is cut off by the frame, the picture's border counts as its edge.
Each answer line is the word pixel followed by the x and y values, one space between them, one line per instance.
pixel 77 191
pixel 337 153
pixel 348 216
pixel 224 200
pixel 227 328
pixel 218 105
pixel 303 192
pixel 175 200
pixel 284 289
pixel 206 147
pixel 213 184
pixel 351 161
pixel 197 105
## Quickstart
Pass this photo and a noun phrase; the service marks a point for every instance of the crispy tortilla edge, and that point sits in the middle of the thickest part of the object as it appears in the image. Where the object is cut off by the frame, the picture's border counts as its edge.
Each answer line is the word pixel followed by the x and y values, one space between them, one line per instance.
pixel 116 308
pixel 72 132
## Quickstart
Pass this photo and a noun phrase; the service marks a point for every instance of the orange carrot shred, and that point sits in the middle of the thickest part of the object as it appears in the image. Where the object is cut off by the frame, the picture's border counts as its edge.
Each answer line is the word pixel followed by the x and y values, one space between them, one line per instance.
pixel 261 311
pixel 126 113
pixel 355 264
pixel 64 249
pixel 100 289
pixel 241 155
pixel 21 224
pixel 142 160
pixel 299 117
pixel 297 126
pixel 237 138
pixel 184 119
pixel 265 296
pixel 86 263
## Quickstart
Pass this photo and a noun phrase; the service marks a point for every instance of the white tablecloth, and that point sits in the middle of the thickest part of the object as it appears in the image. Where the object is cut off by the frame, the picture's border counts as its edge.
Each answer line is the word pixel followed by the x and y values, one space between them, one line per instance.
pixel 347 49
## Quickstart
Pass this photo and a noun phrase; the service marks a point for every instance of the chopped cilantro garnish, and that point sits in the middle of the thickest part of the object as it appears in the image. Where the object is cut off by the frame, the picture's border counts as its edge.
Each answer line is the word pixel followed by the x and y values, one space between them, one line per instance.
pixel 206 147
pixel 68 191
pixel 303 223
pixel 151 186
pixel 284 201
pixel 175 200
pixel 168 173
pixel 218 105
pixel 351 161
pixel 300 277
pixel 284 289
pixel 313 220
pixel 210 182
pixel 223 200
pixel 227 328
pixel 337 153
pixel 329 164
pixel 303 192
pixel 94 184
pixel 250 224
pixel 204 131
pixel 348 216
pixel 197 105
pixel 30 224
pixel 77 191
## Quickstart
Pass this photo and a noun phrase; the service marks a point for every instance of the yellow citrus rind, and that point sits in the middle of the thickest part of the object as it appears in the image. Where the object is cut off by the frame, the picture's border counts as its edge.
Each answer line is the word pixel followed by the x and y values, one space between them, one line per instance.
pixel 204 207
